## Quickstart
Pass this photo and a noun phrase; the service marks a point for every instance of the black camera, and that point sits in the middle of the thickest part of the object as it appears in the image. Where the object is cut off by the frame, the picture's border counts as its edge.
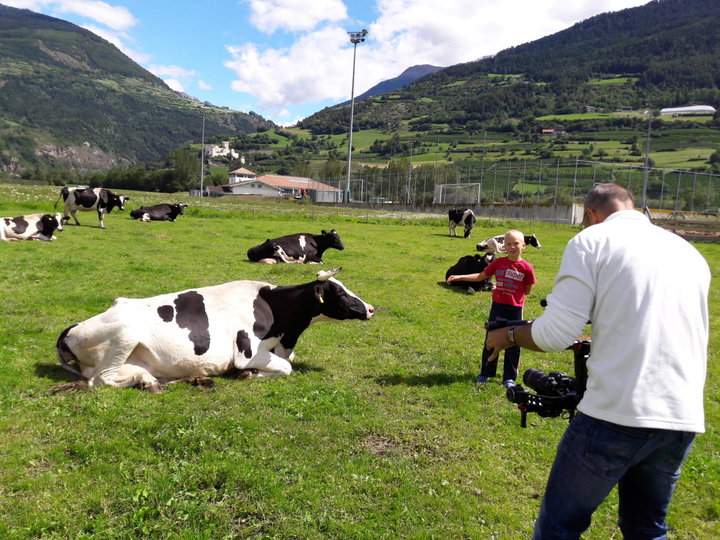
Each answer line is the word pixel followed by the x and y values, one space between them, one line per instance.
pixel 557 393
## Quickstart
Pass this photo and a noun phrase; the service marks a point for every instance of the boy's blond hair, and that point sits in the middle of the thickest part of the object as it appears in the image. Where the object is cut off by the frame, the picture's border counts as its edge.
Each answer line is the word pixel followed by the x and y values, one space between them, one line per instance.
pixel 514 232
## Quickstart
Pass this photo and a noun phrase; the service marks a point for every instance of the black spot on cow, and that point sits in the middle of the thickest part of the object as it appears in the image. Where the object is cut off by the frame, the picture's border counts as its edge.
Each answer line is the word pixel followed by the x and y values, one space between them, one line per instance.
pixel 167 313
pixel 243 343
pixel 20 225
pixel 191 314
pixel 263 316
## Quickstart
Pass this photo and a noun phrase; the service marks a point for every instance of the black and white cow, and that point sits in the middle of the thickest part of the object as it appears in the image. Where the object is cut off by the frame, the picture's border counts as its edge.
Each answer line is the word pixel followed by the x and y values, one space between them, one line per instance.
pixel 30 227
pixel 296 248
pixel 158 212
pixel 496 244
pixel 199 333
pixel 100 199
pixel 471 264
pixel 461 216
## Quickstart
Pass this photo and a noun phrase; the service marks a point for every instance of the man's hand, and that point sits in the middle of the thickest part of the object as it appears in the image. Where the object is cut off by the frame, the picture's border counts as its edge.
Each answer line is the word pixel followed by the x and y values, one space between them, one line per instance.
pixel 497 340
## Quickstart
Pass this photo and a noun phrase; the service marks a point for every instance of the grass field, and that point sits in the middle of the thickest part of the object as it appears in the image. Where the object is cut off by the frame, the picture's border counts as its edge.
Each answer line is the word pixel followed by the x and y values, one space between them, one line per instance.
pixel 381 431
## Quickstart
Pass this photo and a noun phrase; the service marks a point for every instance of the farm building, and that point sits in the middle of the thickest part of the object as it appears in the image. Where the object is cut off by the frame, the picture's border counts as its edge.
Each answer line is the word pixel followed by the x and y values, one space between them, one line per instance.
pixel 692 109
pixel 244 182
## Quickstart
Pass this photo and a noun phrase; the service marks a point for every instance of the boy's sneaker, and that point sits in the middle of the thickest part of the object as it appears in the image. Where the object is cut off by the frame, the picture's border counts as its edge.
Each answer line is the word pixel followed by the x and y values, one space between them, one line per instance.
pixel 509 383
pixel 481 379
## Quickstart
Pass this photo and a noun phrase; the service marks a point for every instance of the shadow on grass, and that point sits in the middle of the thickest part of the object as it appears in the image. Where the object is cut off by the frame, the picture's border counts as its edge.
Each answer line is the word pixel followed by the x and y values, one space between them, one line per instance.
pixel 58 374
pixel 304 367
pixel 458 289
pixel 54 372
pixel 431 379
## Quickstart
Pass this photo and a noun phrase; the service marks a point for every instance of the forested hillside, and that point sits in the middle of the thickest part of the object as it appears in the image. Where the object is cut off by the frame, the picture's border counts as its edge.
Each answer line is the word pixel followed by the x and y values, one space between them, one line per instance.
pixel 663 54
pixel 68 96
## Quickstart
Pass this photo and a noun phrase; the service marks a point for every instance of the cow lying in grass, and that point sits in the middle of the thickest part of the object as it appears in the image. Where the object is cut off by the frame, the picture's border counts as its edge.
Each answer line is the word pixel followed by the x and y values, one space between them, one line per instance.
pixel 30 227
pixel 158 212
pixel 471 264
pixel 194 334
pixel 300 248
pixel 496 244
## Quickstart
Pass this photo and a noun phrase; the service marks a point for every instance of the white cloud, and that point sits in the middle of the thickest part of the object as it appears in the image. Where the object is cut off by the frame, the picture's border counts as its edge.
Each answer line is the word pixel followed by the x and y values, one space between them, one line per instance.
pixel 176 72
pixel 318 66
pixel 175 85
pixel 115 17
pixel 205 86
pixel 294 15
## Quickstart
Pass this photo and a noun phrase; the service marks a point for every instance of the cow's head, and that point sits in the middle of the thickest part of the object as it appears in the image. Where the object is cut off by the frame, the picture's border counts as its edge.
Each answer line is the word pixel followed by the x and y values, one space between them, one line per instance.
pixel 469 224
pixel 180 208
pixel 532 241
pixel 116 201
pixel 335 301
pixel 49 223
pixel 333 239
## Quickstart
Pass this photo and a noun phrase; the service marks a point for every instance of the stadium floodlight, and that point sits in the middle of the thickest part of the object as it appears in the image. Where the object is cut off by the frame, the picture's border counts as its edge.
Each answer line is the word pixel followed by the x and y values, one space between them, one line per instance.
pixel 355 38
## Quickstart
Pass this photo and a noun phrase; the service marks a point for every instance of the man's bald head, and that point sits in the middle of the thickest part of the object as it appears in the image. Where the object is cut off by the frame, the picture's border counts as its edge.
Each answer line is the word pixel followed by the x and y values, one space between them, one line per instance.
pixel 605 199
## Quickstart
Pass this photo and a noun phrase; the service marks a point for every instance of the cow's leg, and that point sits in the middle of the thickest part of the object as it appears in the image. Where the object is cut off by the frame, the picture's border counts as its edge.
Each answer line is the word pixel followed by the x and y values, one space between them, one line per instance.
pixel 73 213
pixel 267 364
pixel 101 216
pixel 126 376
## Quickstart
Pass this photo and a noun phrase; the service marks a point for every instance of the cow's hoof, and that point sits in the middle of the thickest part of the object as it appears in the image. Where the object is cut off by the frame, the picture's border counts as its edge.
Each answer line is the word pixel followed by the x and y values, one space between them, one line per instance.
pixel 205 382
pixel 153 388
pixel 247 374
pixel 75 386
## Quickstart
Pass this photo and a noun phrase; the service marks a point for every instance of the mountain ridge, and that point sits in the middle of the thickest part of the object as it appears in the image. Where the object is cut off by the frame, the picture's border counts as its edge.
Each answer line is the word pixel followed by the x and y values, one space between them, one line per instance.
pixel 64 87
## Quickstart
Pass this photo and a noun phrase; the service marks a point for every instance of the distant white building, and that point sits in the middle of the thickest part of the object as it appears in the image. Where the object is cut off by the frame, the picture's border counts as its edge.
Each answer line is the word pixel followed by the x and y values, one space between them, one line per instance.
pixel 223 150
pixel 690 110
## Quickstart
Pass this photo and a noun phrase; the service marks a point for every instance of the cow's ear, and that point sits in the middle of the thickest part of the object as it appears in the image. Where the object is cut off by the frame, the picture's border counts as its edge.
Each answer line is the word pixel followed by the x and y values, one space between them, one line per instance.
pixel 319 292
pixel 324 275
pixel 323 232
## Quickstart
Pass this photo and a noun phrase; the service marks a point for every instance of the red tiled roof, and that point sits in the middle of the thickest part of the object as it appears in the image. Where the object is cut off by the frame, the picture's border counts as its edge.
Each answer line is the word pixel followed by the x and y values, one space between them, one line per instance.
pixel 278 180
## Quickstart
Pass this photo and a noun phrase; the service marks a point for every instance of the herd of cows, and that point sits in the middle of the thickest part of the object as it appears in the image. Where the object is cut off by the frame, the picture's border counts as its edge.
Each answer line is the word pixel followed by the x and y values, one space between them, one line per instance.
pixel 243 328
pixel 103 201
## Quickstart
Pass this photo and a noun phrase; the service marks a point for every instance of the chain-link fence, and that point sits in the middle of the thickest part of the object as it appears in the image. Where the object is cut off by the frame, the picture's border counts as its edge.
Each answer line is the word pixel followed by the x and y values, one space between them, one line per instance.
pixel 532 182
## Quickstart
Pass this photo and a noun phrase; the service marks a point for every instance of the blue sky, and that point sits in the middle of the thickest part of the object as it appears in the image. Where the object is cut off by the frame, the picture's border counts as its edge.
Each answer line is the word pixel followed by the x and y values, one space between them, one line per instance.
pixel 286 59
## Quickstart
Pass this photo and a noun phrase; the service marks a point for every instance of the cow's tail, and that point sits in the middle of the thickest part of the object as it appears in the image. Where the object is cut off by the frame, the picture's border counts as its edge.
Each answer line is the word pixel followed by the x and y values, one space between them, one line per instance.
pixel 65 356
pixel 63 194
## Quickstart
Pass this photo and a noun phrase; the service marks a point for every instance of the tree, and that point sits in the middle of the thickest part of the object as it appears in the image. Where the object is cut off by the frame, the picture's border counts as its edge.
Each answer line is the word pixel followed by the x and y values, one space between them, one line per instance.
pixel 186 171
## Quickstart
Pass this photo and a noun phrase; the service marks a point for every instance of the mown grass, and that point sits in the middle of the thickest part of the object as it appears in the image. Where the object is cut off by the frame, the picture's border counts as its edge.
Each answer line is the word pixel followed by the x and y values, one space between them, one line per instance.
pixel 380 433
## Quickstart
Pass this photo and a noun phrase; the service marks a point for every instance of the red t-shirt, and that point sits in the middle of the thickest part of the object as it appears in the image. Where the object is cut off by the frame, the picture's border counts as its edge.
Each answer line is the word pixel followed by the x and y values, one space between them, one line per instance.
pixel 511 277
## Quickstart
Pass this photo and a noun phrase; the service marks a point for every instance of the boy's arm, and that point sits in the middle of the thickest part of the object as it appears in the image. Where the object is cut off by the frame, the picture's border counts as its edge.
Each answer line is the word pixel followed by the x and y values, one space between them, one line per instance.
pixel 528 288
pixel 479 276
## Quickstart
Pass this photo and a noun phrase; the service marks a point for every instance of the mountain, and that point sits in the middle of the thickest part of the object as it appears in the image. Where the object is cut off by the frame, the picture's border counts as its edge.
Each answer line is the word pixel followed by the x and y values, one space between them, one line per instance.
pixel 70 98
pixel 411 74
pixel 663 54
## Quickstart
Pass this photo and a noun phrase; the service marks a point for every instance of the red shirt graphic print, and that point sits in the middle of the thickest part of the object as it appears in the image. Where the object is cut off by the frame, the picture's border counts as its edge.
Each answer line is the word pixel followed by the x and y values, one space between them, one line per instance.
pixel 511 277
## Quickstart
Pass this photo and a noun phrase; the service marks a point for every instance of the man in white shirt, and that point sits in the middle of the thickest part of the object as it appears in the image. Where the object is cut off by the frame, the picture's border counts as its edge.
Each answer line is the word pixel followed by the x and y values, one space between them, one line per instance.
pixel 644 399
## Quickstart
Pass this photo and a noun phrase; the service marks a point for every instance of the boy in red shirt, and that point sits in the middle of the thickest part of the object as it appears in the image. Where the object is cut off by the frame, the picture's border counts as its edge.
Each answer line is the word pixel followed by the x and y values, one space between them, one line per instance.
pixel 514 278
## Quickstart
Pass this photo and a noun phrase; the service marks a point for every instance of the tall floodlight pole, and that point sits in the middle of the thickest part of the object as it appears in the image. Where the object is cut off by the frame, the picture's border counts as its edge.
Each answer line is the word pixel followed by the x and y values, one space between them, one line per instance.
pixel 355 38
pixel 647 167
pixel 202 156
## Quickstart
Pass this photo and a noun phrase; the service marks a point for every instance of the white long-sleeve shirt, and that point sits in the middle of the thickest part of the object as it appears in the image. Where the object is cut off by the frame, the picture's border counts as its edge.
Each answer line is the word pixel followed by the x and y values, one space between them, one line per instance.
pixel 645 290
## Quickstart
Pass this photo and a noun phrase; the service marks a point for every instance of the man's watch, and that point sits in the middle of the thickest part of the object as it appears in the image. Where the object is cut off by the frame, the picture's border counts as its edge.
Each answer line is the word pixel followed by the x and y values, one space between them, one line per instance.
pixel 511 334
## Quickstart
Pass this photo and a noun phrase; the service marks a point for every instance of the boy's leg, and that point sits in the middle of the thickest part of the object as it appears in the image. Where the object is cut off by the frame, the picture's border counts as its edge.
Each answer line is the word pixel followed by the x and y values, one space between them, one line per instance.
pixel 511 363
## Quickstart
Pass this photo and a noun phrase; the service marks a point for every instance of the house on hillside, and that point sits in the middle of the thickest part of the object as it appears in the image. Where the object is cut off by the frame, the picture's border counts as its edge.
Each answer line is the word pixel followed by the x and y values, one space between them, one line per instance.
pixel 223 150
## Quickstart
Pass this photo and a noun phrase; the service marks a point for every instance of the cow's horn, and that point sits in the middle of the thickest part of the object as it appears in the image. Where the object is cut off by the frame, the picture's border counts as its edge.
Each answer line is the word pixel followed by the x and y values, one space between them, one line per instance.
pixel 324 275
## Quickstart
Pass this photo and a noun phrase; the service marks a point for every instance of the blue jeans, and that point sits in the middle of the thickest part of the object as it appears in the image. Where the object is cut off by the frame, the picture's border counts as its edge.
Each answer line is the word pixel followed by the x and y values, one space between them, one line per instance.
pixel 592 457
pixel 511 357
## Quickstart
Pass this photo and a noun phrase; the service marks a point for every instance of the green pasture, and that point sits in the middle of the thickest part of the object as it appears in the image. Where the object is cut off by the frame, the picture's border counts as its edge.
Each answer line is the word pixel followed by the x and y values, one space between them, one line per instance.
pixel 381 432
